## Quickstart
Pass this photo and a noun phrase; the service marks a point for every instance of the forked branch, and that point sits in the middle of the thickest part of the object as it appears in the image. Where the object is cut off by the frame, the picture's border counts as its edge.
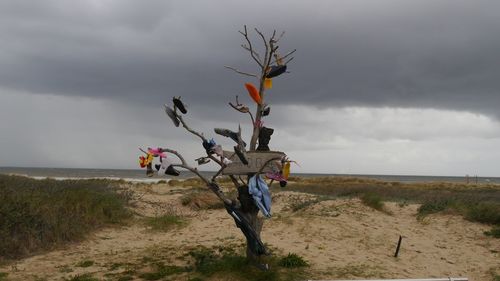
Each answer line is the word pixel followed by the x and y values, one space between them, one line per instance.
pixel 252 52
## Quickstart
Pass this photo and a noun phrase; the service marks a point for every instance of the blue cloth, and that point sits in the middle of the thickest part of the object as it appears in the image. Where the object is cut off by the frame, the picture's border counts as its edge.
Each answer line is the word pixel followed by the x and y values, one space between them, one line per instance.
pixel 259 190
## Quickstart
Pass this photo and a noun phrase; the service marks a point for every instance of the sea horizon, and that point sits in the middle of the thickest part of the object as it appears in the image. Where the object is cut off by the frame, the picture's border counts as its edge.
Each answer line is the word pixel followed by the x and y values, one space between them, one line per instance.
pixel 140 175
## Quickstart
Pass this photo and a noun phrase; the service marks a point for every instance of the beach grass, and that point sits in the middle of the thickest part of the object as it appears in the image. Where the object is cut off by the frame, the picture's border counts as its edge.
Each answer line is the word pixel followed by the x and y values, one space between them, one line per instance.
pixel 476 202
pixel 165 222
pixel 42 214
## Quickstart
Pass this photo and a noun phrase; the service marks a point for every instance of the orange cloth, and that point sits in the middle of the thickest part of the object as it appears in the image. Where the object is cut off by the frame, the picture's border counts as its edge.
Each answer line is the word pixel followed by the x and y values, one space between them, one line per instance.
pixel 253 92
pixel 268 83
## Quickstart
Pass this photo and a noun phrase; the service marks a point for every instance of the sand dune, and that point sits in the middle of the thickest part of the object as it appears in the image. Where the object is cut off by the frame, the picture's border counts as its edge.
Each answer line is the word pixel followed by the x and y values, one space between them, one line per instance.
pixel 341 239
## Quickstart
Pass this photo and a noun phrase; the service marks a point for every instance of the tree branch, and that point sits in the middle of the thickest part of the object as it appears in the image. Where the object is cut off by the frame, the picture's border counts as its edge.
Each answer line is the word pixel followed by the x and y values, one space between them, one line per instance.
pixel 285 56
pixel 210 184
pixel 240 72
pixel 245 34
pixel 267 162
pixel 250 50
pixel 189 129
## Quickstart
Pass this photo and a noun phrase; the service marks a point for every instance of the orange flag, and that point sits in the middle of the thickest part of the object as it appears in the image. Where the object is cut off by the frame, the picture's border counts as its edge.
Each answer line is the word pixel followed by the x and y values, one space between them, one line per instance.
pixel 253 92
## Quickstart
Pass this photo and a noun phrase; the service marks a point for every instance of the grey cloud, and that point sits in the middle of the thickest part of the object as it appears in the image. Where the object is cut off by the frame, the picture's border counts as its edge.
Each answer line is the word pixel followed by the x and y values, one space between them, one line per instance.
pixel 350 53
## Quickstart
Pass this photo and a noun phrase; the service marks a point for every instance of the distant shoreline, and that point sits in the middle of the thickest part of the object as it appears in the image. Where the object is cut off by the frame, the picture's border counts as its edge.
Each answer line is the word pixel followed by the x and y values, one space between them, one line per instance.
pixel 137 175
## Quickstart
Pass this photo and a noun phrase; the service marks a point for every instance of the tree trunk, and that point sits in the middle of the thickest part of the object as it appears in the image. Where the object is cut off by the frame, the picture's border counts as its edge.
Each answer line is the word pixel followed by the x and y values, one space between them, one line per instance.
pixel 250 212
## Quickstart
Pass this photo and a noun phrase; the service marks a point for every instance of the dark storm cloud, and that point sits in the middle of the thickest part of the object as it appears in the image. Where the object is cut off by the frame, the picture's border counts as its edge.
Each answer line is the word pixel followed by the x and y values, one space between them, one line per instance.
pixel 439 54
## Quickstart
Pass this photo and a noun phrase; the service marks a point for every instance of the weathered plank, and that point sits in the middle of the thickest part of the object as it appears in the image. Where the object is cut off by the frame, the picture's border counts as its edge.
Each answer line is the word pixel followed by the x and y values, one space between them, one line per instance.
pixel 256 159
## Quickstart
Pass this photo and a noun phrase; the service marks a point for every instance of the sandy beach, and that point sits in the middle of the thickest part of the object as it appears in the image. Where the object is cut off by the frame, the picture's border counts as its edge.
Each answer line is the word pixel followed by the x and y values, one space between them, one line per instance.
pixel 340 239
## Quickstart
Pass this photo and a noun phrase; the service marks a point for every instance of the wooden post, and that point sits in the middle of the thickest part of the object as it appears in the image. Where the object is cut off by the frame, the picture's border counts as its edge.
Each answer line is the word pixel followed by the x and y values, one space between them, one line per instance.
pixel 399 245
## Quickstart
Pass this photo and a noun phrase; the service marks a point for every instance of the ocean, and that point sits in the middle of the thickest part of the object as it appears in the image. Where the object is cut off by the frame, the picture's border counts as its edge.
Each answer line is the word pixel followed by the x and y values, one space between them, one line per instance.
pixel 137 175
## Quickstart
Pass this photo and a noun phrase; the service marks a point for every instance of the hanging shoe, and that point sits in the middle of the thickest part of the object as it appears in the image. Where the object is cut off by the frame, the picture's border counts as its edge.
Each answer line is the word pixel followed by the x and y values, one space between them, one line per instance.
pixel 171 171
pixel 264 138
pixel 171 113
pixel 208 145
pixel 276 70
pixel 202 160
pixel 149 170
pixel 228 134
pixel 266 111
pixel 283 183
pixel 226 161
pixel 178 103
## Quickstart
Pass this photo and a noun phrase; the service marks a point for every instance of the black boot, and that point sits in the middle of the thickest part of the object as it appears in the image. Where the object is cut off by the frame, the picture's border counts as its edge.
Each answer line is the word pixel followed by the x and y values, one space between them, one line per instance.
pixel 264 138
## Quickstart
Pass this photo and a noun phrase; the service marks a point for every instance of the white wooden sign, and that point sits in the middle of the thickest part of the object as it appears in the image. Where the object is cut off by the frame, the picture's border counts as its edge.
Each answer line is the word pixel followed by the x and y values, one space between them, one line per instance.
pixel 256 159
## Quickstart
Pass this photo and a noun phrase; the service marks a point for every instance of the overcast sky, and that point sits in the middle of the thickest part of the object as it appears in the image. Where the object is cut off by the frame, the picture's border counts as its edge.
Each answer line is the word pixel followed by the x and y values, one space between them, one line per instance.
pixel 376 87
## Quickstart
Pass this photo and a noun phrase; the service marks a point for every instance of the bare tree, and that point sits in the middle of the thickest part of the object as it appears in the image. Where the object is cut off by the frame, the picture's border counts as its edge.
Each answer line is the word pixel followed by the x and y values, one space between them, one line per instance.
pixel 254 162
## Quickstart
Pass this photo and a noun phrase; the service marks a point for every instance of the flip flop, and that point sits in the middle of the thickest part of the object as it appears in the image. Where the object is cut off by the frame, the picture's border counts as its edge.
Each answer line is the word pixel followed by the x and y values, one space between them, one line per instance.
pixel 171 113
pixel 178 103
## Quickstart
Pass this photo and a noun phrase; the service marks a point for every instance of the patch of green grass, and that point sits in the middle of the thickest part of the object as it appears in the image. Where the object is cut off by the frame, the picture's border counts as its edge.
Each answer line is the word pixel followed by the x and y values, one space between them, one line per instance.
pixel 161 271
pixel 39 214
pixel 297 205
pixel 292 260
pixel 476 202
pixel 373 200
pixel 494 232
pixel 125 278
pixel 3 276
pixel 165 222
pixel 484 212
pixel 227 263
pixel 433 206
pixel 85 263
pixel 83 277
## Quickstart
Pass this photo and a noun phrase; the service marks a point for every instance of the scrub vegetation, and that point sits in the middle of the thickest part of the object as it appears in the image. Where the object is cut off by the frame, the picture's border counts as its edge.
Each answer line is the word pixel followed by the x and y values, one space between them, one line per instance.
pixel 475 202
pixel 41 214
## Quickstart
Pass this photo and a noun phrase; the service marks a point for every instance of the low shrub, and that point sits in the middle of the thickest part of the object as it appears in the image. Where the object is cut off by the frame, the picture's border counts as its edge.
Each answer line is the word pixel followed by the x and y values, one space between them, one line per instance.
pixel 494 232
pixel 373 200
pixel 165 222
pixel 484 212
pixel 292 260
pixel 39 214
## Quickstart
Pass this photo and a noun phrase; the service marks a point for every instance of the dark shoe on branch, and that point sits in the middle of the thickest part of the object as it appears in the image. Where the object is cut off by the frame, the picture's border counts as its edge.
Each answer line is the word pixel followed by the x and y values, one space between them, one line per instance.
pixel 178 103
pixel 266 111
pixel 202 160
pixel 171 113
pixel 208 145
pixel 149 170
pixel 276 70
pixel 172 171
pixel 264 138
pixel 228 134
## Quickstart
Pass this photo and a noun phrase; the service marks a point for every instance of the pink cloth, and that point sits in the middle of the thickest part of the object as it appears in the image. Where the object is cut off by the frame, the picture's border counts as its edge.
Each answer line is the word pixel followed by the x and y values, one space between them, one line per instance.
pixel 157 152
